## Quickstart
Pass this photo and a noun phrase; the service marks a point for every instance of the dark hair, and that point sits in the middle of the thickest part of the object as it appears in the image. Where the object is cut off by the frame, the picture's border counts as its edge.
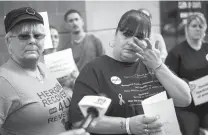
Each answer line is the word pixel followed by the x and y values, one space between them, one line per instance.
pixel 53 27
pixel 134 23
pixel 70 12
pixel 146 12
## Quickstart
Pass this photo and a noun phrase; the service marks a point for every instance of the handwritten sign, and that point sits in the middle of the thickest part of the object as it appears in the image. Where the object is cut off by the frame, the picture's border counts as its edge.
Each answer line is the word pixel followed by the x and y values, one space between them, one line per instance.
pixel 61 63
pixel 158 105
pixel 47 42
pixel 199 90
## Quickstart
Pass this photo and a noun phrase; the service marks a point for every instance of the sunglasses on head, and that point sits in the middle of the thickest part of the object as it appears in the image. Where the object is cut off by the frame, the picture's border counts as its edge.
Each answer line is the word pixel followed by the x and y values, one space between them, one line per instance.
pixel 38 36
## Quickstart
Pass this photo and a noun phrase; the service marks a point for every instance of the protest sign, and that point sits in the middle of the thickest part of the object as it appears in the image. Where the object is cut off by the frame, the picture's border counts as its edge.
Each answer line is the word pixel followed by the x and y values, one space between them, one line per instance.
pixel 163 108
pixel 61 63
pixel 199 90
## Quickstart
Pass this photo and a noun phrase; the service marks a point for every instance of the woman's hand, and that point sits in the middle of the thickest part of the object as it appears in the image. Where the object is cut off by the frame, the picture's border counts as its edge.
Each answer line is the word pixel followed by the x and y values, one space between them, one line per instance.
pixel 75 132
pixel 148 54
pixel 141 124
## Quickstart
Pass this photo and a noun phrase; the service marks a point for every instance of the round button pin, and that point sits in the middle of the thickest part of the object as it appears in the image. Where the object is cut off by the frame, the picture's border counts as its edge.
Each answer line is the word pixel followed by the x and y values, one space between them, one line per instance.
pixel 115 80
pixel 207 57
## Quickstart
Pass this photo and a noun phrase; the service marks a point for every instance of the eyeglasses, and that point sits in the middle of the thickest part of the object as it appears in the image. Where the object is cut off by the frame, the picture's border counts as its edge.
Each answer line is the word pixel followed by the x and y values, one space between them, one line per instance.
pixel 28 36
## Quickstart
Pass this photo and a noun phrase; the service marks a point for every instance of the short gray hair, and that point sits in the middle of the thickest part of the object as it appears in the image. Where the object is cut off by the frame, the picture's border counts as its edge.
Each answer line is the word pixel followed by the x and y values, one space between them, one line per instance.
pixel 21 27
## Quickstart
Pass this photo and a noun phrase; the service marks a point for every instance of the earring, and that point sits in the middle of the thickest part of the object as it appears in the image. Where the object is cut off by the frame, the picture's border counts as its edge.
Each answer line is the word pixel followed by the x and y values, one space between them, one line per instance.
pixel 111 44
pixel 9 49
pixel 10 52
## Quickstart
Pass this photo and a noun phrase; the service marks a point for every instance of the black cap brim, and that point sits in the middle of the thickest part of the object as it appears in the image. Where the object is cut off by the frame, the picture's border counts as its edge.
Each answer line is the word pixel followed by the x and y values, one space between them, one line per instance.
pixel 24 18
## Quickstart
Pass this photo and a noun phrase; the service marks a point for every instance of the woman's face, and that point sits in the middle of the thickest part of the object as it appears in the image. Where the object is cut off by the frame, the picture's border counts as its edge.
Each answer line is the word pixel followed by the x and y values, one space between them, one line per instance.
pixel 27 44
pixel 122 50
pixel 196 30
pixel 54 37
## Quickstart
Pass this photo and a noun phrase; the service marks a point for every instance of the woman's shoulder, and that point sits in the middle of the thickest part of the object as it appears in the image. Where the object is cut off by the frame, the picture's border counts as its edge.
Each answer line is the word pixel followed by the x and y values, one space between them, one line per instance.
pixel 7 90
pixel 179 47
pixel 99 61
pixel 205 44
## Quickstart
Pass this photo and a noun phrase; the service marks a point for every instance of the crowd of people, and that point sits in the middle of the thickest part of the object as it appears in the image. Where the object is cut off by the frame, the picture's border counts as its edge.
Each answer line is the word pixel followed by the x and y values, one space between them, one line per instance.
pixel 33 101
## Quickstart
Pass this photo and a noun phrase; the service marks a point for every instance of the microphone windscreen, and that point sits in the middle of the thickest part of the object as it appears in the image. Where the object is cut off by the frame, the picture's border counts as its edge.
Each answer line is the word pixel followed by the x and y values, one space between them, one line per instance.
pixel 93 111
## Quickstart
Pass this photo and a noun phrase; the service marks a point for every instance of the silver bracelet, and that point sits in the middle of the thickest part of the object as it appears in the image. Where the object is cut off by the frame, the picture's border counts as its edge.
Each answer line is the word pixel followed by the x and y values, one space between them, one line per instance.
pixel 128 127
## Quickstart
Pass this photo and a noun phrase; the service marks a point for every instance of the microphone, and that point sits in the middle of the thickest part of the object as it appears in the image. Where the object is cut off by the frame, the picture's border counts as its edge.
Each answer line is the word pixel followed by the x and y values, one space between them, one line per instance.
pixel 93 107
pixel 91 114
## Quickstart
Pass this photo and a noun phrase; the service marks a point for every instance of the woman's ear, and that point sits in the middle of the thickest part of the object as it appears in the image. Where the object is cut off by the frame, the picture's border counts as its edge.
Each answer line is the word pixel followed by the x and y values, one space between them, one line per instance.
pixel 8 44
pixel 7 41
pixel 186 30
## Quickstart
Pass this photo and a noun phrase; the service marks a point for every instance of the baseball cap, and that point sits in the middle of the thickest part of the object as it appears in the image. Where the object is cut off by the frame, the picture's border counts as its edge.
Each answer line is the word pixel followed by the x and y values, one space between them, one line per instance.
pixel 21 14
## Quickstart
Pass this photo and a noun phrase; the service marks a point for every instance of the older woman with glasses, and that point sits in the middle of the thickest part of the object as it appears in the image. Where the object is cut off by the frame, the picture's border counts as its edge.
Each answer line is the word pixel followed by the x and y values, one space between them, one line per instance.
pixel 32 102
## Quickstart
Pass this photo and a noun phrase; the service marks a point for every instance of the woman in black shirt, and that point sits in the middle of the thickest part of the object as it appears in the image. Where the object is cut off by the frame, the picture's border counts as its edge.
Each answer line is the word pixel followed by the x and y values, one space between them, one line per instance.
pixel 189 60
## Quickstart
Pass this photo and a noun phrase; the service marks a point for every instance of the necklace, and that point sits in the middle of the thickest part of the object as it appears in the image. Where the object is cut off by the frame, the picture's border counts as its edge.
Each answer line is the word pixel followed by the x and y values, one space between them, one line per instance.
pixel 38 76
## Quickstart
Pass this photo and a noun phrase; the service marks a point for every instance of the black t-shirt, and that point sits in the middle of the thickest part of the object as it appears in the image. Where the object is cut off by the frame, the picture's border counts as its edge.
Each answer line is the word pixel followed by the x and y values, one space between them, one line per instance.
pixel 188 63
pixel 127 84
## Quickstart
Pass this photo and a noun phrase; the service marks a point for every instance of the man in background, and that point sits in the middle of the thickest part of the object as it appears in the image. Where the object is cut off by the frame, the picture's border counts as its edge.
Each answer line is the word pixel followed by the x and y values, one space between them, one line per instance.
pixel 85 47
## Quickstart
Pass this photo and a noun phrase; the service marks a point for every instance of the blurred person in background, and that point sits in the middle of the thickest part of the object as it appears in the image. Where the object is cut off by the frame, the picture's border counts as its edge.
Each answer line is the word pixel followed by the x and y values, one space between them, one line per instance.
pixel 55 40
pixel 125 73
pixel 85 47
pixel 156 37
pixel 189 60
pixel 67 82
pixel 32 102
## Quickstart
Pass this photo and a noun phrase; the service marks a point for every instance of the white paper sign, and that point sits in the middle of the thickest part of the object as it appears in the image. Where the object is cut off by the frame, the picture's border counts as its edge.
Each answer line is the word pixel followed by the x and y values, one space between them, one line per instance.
pixel 48 42
pixel 199 90
pixel 158 105
pixel 60 63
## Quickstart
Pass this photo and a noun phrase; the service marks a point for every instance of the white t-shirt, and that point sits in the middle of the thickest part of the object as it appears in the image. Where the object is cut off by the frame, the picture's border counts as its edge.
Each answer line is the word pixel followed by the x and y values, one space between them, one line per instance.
pixel 31 107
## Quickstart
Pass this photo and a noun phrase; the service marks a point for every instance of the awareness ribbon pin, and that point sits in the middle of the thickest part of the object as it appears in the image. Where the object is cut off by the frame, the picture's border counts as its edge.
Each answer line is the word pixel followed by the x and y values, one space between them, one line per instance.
pixel 120 99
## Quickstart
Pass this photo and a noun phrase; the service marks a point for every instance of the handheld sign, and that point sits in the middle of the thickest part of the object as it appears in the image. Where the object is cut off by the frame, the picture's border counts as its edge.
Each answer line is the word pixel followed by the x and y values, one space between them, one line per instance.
pixel 158 105
pixel 61 63
pixel 199 90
